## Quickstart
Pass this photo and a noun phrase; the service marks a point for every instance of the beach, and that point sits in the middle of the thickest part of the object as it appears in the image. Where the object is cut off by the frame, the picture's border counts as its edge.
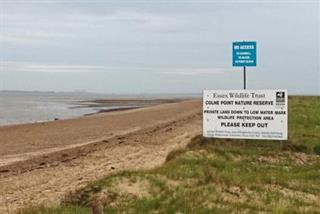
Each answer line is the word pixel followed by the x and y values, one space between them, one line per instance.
pixel 21 107
pixel 41 162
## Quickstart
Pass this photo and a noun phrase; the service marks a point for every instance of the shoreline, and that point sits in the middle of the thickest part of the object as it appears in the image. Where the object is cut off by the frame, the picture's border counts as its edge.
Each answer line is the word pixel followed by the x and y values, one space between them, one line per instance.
pixel 113 110
pixel 99 106
pixel 122 104
pixel 29 137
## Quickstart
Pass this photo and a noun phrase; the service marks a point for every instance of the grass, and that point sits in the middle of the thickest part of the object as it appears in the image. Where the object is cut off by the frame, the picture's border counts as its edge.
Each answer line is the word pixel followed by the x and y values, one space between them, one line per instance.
pixel 304 121
pixel 219 176
pixel 56 210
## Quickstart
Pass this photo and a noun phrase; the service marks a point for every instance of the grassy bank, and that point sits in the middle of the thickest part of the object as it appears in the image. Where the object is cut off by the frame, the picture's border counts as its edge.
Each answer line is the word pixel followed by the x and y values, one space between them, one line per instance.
pixel 219 176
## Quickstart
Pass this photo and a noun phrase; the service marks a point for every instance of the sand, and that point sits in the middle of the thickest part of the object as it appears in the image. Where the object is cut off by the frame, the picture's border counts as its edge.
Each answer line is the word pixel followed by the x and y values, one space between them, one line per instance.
pixel 40 163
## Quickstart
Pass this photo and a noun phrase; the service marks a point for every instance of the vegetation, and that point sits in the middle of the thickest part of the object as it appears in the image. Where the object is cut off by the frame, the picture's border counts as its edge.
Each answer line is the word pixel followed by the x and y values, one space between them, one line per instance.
pixel 219 176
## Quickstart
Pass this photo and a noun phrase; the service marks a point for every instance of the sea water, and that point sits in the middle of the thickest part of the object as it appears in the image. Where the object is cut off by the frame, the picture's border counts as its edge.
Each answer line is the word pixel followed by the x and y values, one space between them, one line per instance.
pixel 31 107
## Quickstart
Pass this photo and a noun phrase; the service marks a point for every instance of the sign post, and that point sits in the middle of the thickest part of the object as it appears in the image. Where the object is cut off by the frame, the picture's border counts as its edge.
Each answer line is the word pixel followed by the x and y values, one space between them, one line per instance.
pixel 244 77
pixel 245 114
pixel 244 54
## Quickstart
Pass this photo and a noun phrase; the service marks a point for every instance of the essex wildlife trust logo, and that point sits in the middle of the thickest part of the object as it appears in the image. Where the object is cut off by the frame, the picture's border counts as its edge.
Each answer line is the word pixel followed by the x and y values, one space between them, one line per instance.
pixel 280 98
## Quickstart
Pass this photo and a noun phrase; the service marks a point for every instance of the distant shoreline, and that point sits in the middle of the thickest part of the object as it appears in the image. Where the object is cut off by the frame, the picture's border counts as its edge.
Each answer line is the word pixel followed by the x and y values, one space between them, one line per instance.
pixel 113 110
pixel 121 104
pixel 125 102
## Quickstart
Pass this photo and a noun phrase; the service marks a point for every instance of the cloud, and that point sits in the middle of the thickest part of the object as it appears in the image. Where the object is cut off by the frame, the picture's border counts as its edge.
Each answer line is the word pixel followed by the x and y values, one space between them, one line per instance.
pixel 197 71
pixel 20 26
pixel 8 66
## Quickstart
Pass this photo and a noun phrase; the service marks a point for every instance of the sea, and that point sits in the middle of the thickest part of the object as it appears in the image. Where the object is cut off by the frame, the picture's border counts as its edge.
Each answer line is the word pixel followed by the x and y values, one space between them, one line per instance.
pixel 18 107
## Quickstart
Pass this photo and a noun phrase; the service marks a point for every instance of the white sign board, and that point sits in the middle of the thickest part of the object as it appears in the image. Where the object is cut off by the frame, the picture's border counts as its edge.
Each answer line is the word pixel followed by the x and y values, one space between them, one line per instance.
pixel 245 114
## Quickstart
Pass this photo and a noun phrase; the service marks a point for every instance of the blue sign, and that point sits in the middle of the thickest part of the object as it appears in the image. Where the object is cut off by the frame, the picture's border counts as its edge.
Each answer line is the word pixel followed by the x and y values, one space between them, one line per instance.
pixel 244 54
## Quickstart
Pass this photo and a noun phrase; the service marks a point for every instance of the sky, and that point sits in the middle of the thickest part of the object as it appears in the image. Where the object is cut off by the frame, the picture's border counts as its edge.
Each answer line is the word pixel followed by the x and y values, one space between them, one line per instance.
pixel 136 47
